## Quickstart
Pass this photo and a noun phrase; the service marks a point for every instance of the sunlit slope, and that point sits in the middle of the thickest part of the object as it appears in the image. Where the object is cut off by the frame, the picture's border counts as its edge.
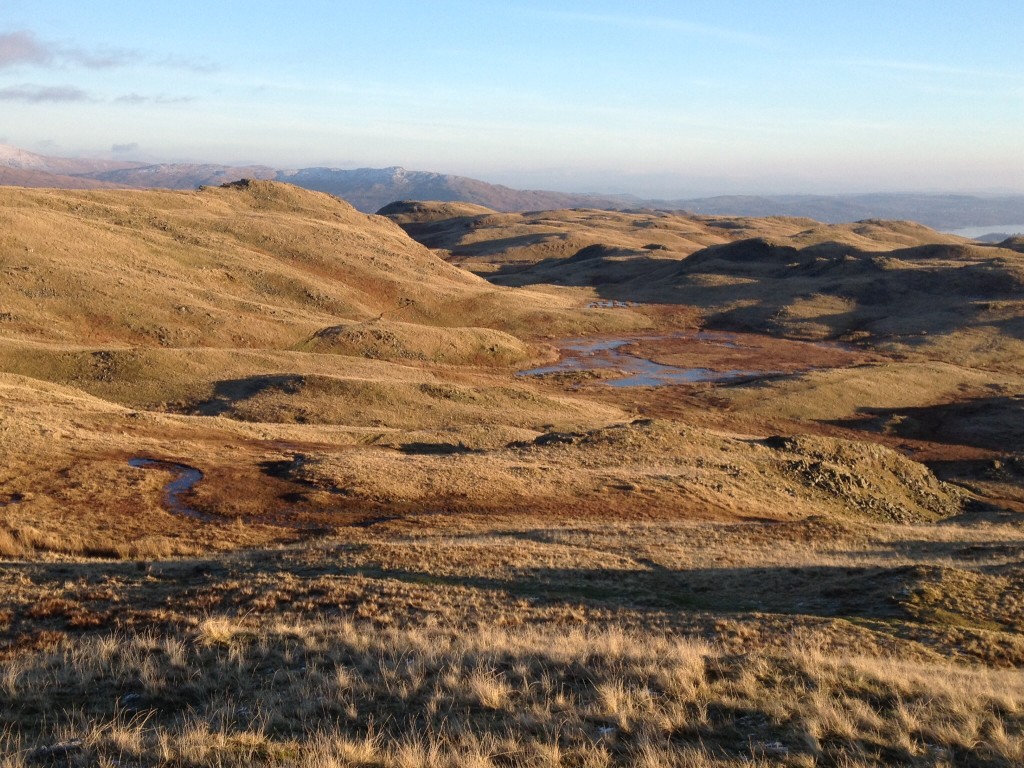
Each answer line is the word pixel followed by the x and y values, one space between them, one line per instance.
pixel 252 265
pixel 480 239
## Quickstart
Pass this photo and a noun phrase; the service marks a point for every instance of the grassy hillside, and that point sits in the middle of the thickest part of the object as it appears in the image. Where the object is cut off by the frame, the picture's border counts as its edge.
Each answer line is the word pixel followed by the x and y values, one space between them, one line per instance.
pixel 106 285
pixel 277 491
pixel 255 265
pixel 485 241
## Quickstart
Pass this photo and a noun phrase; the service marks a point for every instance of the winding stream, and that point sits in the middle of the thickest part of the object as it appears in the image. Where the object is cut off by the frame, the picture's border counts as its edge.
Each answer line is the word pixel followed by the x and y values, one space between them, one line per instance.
pixel 184 480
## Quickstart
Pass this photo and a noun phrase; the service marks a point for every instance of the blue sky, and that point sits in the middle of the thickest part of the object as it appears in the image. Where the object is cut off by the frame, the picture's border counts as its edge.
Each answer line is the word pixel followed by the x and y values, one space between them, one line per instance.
pixel 655 98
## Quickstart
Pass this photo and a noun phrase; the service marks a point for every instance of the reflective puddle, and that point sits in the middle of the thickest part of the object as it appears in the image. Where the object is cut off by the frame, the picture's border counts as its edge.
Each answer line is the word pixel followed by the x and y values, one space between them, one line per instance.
pixel 607 355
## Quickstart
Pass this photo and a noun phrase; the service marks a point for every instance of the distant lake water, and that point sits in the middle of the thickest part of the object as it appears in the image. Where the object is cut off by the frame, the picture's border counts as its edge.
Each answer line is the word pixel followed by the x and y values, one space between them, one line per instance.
pixel 1009 229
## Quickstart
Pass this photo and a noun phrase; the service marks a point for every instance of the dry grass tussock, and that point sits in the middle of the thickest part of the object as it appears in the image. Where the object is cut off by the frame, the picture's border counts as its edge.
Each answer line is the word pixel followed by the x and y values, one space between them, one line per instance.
pixel 341 693
pixel 481 640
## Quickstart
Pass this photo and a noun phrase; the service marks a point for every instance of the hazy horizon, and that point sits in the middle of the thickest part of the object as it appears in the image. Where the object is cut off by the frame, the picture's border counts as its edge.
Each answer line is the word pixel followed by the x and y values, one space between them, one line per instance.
pixel 668 102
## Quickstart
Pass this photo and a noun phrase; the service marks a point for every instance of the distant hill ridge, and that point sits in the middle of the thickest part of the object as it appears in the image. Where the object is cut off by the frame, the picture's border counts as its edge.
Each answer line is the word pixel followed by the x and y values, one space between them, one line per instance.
pixel 369 189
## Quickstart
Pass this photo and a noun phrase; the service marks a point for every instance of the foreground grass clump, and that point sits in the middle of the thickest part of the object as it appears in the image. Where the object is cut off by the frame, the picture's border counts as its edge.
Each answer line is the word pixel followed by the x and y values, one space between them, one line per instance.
pixel 342 693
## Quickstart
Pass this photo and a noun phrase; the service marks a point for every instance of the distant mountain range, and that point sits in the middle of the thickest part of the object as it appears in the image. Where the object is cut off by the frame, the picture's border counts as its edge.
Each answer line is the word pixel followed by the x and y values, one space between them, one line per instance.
pixel 370 189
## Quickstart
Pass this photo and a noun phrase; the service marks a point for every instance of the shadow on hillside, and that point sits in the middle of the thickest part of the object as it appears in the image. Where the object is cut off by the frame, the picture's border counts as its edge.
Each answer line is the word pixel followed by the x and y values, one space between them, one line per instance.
pixel 825 591
pixel 753 285
pixel 619 278
pixel 993 423
pixel 493 247
pixel 436 449
pixel 229 392
pixel 449 233
pixel 820 591
pixel 442 234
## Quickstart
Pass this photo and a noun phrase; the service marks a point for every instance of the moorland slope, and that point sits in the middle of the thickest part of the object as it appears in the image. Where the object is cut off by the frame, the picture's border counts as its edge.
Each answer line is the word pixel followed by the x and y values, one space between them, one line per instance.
pixel 276 488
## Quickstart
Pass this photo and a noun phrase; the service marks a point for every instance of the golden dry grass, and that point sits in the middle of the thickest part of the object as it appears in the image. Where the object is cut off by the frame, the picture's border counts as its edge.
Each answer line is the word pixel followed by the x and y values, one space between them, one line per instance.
pixel 340 692
pixel 402 554
pixel 260 266
pixel 466 639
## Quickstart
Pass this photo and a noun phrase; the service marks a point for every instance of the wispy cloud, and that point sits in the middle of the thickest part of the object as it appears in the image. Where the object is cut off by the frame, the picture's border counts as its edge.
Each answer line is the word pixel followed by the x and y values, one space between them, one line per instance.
pixel 24 48
pixel 107 58
pixel 131 98
pixel 661 23
pixel 63 94
pixel 201 66
pixel 38 94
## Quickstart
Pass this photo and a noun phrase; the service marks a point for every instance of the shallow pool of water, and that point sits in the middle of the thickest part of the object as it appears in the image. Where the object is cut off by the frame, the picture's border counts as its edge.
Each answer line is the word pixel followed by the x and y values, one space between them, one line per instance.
pixel 606 355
